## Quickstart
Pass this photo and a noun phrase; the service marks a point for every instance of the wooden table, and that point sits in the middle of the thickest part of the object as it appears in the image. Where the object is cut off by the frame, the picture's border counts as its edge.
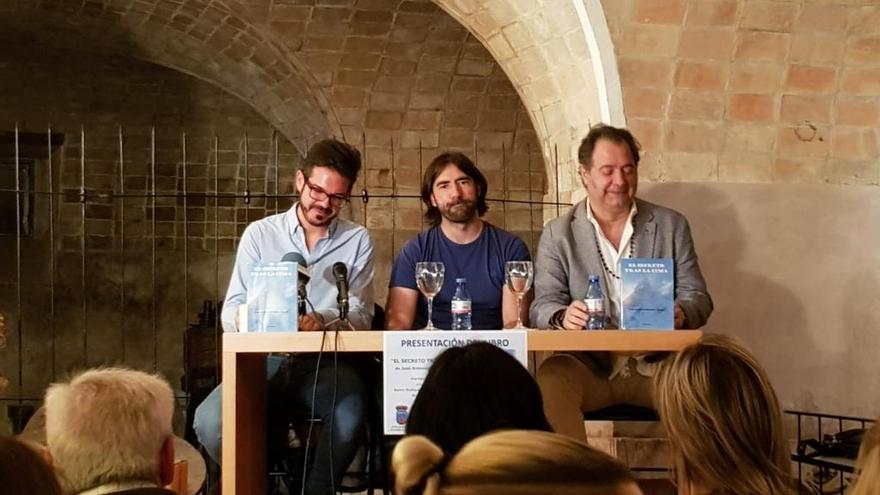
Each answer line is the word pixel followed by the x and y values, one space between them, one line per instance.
pixel 244 381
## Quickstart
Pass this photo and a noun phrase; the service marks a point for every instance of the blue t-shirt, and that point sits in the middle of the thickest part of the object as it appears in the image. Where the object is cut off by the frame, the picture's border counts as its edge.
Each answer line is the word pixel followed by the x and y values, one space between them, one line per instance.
pixel 481 262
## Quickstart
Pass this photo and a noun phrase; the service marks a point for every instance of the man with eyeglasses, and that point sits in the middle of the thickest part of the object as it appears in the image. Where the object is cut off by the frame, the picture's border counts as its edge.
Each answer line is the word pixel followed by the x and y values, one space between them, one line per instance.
pixel 334 390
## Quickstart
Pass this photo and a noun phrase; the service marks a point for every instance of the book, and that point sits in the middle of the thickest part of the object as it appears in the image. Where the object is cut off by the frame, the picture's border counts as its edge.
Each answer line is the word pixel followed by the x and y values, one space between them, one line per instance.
pixel 647 294
pixel 272 297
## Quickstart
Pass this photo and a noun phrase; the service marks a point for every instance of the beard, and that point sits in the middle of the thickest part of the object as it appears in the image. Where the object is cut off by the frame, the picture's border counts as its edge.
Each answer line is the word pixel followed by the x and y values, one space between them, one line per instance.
pixel 316 215
pixel 461 212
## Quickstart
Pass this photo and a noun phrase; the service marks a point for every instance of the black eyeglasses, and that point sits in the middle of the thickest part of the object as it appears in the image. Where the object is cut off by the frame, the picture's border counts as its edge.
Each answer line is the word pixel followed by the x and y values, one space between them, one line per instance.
pixel 318 194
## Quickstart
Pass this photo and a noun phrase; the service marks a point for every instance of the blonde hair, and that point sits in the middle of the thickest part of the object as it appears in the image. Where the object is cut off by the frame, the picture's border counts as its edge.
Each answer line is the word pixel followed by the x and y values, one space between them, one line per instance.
pixel 507 462
pixel 723 420
pixel 868 464
pixel 107 426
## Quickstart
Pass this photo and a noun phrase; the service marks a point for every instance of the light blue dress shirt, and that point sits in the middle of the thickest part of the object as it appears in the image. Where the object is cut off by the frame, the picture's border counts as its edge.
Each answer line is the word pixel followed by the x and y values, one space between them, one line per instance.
pixel 270 238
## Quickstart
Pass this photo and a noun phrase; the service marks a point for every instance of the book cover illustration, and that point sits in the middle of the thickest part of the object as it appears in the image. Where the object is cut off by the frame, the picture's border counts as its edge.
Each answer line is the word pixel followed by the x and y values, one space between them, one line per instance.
pixel 647 293
pixel 271 297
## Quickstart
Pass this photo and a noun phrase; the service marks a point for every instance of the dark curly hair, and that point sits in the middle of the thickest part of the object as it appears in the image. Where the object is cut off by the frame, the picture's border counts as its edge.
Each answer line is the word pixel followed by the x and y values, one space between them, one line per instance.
pixel 339 156
pixel 617 135
pixel 437 166
pixel 472 390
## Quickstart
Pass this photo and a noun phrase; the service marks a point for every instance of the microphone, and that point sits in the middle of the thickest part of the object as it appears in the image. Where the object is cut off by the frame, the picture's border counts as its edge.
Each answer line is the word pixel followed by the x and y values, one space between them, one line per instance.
pixel 340 273
pixel 301 268
pixel 302 278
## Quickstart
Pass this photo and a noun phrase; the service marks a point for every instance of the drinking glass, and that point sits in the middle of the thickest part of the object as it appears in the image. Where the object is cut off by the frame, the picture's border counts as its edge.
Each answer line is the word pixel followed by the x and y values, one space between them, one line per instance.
pixel 519 281
pixel 429 277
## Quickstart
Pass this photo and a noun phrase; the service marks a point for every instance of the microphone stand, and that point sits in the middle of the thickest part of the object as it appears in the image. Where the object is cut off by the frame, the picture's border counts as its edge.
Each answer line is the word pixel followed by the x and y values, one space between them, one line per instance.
pixel 343 315
pixel 301 295
pixel 344 321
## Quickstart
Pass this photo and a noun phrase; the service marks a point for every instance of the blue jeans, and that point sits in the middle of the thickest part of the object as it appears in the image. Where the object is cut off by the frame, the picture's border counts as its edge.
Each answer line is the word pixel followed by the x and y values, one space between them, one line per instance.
pixel 291 382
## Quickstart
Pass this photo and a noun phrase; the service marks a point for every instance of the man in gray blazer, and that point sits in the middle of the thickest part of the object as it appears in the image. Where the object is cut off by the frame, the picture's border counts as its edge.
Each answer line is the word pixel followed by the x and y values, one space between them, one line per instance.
pixel 591 239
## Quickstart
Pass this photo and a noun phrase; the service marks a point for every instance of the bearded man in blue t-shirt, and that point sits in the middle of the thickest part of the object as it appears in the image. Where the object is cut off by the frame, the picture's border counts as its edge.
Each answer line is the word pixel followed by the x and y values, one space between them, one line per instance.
pixel 454 191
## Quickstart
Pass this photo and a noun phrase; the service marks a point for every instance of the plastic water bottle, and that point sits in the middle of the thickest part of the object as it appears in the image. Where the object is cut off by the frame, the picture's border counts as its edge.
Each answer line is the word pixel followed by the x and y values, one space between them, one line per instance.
pixel 595 301
pixel 461 306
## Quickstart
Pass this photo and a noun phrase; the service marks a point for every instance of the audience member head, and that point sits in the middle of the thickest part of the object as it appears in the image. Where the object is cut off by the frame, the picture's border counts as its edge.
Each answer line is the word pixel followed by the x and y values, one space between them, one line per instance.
pixel 511 462
pixel 472 390
pixel 723 420
pixel 110 425
pixel 23 471
pixel 868 464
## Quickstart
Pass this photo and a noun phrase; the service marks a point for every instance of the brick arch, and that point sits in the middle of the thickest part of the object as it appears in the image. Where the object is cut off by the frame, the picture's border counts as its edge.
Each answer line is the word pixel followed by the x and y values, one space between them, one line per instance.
pixel 558 55
pixel 215 41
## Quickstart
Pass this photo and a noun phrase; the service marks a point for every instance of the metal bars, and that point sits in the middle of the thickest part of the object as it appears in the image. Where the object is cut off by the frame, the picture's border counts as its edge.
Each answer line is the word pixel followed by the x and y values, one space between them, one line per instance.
pixel 139 197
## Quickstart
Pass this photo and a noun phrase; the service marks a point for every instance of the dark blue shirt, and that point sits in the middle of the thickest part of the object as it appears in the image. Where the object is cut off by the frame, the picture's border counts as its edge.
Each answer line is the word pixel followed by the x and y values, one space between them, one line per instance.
pixel 481 262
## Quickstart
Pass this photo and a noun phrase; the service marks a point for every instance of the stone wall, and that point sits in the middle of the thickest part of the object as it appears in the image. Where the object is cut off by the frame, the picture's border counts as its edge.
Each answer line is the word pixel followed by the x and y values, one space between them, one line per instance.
pixel 402 93
pixel 776 94
pixel 103 295
pixel 742 107
pixel 752 91
pixel 760 121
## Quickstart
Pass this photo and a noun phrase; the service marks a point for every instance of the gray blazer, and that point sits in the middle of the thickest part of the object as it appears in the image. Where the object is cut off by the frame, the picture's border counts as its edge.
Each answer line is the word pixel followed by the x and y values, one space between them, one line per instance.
pixel 567 256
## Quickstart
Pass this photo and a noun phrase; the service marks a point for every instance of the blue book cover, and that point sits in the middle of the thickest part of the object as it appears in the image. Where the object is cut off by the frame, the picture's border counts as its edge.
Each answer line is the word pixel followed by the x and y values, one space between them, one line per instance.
pixel 271 297
pixel 647 294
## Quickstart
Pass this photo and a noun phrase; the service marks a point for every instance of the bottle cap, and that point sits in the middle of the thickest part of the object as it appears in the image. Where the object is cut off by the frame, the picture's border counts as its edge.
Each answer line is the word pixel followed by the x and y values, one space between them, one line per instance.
pixel 460 280
pixel 594 278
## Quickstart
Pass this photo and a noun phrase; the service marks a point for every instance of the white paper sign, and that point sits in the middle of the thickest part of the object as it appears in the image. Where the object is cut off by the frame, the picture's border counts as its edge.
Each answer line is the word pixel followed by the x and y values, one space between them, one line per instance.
pixel 408 355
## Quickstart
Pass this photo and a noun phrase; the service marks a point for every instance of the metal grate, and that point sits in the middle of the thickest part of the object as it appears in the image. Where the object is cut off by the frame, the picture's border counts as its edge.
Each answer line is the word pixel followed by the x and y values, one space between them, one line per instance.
pixel 830 474
pixel 128 206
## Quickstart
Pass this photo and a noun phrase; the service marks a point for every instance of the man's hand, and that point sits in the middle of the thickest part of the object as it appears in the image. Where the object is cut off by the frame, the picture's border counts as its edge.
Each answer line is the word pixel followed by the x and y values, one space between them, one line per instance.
pixel 575 317
pixel 310 322
pixel 679 317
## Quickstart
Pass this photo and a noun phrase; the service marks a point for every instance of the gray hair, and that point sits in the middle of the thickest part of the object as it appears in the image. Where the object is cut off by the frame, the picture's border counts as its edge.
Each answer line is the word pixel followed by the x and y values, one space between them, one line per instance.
pixel 107 426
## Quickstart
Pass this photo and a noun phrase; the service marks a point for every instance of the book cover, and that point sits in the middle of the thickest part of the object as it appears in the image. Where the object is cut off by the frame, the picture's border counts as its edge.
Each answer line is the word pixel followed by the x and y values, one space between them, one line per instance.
pixel 271 297
pixel 647 293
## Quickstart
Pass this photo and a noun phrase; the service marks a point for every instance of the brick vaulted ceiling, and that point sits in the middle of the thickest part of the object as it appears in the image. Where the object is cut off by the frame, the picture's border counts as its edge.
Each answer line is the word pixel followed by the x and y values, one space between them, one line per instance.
pixel 217 41
pixel 285 57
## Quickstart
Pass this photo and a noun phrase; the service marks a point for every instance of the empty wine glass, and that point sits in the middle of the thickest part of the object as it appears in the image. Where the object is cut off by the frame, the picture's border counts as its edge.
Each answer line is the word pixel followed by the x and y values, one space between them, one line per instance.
pixel 429 277
pixel 519 281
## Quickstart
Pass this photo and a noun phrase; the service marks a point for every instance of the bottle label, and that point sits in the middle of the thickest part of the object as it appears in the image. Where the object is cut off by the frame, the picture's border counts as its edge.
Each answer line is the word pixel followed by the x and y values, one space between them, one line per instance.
pixel 595 305
pixel 461 306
